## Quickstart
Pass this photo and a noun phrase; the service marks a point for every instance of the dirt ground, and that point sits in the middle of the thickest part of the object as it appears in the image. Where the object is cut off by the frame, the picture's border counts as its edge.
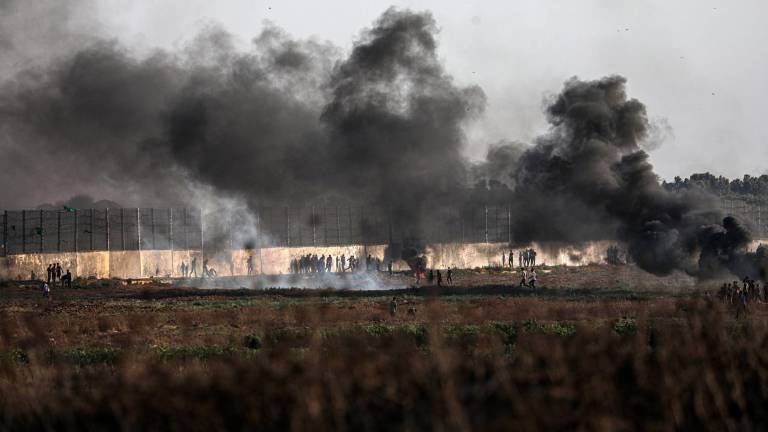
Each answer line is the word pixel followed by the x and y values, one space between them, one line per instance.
pixel 112 313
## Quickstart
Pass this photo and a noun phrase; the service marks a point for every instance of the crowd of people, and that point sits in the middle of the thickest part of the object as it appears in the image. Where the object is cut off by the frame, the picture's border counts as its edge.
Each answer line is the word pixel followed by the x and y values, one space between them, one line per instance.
pixel 525 258
pixel 54 276
pixel 311 263
pixel 739 294
pixel 190 270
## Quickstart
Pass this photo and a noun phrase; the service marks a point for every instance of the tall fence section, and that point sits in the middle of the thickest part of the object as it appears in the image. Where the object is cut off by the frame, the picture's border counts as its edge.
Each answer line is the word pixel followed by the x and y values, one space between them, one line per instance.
pixel 126 229
pixel 52 231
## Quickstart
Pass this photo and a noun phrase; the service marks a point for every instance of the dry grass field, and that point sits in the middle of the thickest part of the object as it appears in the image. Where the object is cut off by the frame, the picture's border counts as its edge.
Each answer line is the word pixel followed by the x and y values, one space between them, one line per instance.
pixel 594 348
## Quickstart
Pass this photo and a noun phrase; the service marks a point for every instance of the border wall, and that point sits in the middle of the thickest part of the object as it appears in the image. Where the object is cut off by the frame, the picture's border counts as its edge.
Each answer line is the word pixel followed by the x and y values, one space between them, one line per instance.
pixel 146 242
pixel 276 260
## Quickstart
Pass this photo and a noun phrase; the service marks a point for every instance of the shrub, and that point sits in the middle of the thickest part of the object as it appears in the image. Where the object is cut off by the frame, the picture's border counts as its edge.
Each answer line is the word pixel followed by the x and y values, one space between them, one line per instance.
pixel 624 327
pixel 507 332
pixel 252 341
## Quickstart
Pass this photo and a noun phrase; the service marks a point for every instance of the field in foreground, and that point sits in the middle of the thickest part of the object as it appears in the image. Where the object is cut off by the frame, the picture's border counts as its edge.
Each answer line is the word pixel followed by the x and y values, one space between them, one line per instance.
pixel 597 348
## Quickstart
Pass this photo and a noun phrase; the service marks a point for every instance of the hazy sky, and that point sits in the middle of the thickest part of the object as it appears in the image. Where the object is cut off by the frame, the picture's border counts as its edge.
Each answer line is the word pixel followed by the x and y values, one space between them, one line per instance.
pixel 700 65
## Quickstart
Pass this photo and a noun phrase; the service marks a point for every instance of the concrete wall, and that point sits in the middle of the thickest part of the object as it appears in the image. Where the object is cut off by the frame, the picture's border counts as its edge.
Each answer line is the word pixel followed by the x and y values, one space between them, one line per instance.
pixel 148 263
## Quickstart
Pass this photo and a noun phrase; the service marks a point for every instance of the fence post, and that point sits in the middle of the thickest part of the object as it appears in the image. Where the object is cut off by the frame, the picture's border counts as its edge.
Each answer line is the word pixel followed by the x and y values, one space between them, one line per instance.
pixel 338 227
pixel 186 239
pixel 5 233
pixel 509 223
pixel 486 224
pixel 288 225
pixel 138 241
pixel 349 211
pixel 122 228
pixel 41 231
pixel 170 231
pixel 202 236
pixel 312 218
pixel 170 238
pixel 259 241
pixel 362 227
pixel 152 224
pixel 58 231
pixel 231 228
pixel 106 222
pixel 23 231
pixel 93 216
pixel 75 232
pixel 325 225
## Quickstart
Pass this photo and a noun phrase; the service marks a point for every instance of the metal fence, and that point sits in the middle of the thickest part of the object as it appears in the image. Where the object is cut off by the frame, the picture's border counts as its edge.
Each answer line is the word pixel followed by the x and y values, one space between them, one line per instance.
pixel 340 225
pixel 46 231
pixel 753 214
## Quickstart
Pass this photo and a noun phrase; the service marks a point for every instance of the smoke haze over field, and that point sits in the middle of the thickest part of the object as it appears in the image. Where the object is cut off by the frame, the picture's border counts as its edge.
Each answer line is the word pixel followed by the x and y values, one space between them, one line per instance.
pixel 285 120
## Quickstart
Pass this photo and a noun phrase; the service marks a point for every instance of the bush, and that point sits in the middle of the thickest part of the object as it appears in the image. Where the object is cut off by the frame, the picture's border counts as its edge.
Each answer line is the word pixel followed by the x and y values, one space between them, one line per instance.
pixel 418 332
pixel 624 327
pixel 252 342
pixel 507 332
pixel 462 335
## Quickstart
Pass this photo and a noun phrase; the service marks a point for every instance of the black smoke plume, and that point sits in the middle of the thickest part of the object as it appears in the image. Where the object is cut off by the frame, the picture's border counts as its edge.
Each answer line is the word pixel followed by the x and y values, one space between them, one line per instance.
pixel 589 179
pixel 293 121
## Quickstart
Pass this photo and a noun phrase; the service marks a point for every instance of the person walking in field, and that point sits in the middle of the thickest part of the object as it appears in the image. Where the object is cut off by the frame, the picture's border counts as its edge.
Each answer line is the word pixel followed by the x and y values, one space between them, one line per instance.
pixel 46 290
pixel 511 258
pixel 524 277
pixel 393 307
pixel 193 267
pixel 532 282
pixel 57 274
pixel 439 278
pixel 741 307
pixel 520 259
pixel 449 277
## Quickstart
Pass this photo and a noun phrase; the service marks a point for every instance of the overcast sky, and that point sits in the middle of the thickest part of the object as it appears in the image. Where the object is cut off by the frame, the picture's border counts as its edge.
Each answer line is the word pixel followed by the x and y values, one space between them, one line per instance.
pixel 700 65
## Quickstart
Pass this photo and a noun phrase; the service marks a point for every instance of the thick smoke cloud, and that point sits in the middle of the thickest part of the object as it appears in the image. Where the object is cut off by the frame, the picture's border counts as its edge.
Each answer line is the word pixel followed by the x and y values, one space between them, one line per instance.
pixel 295 121
pixel 588 178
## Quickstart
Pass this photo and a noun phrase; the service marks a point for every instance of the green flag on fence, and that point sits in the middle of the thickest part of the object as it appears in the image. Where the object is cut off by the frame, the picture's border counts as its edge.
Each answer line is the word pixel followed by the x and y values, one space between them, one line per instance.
pixel 68 209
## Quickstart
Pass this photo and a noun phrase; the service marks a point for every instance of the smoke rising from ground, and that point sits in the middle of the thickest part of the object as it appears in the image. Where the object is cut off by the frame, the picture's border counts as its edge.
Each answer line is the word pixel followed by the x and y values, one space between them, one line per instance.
pixel 588 178
pixel 296 121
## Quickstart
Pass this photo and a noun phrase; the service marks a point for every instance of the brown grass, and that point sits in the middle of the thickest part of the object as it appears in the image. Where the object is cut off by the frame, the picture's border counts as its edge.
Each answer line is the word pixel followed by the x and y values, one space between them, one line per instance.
pixel 131 359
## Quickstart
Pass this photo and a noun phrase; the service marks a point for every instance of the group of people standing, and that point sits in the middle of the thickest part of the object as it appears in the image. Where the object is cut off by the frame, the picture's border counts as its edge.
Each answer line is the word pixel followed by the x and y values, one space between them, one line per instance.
pixel 190 270
pixel 741 294
pixel 187 270
pixel 526 261
pixel 311 263
pixel 525 258
pixel 431 276
pixel 55 274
